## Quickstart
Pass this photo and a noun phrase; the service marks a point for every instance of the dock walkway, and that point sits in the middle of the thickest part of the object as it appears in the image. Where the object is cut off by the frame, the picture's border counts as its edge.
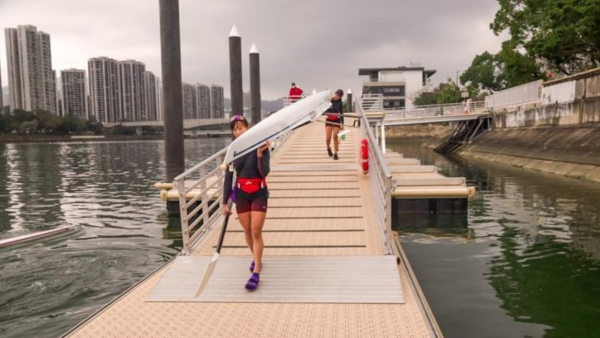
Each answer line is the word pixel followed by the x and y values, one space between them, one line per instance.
pixel 318 207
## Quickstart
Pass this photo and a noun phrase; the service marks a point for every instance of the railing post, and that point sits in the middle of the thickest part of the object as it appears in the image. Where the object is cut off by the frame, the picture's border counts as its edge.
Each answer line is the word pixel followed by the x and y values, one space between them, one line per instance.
pixel 383 136
pixel 180 186
pixel 388 213
pixel 204 196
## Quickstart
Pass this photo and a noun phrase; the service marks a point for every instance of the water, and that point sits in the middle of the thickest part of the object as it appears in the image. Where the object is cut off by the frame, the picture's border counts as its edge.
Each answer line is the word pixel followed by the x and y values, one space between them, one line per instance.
pixel 105 189
pixel 526 265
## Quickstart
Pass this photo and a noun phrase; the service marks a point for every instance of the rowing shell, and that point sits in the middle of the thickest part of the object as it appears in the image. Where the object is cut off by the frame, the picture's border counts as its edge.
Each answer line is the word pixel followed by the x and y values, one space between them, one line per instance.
pixel 285 120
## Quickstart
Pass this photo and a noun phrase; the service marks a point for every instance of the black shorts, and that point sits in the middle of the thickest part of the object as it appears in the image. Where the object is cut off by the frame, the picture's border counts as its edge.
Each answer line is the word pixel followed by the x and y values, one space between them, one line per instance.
pixel 329 123
pixel 245 202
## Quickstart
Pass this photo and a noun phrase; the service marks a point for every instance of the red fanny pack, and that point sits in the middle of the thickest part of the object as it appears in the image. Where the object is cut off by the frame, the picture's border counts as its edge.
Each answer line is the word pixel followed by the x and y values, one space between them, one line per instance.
pixel 332 117
pixel 251 185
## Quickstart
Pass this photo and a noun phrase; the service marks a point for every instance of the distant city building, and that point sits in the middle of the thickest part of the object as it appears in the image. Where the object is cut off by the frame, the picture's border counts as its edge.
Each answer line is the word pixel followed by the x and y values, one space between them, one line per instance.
pixel 246 106
pixel 132 91
pixel 31 79
pixel 189 101
pixel 104 89
pixel 73 93
pixel 152 95
pixel 397 85
pixel 160 108
pixel 1 92
pixel 204 106
pixel 217 102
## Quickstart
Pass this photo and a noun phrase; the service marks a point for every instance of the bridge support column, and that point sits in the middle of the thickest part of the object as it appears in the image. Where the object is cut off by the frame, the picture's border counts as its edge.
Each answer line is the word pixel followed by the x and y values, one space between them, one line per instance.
pixel 139 131
pixel 235 72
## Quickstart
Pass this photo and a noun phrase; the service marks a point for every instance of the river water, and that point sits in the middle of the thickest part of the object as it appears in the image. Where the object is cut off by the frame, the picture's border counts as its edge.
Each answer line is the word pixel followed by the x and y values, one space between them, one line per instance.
pixel 107 190
pixel 525 264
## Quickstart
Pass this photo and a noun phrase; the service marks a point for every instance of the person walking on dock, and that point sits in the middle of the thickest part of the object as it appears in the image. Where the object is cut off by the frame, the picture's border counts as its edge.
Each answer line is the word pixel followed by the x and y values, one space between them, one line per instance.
pixel 334 123
pixel 251 196
pixel 295 93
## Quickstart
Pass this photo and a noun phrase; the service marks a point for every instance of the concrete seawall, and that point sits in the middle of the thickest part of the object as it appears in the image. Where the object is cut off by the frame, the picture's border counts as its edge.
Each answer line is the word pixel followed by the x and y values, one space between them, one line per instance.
pixel 560 133
pixel 572 152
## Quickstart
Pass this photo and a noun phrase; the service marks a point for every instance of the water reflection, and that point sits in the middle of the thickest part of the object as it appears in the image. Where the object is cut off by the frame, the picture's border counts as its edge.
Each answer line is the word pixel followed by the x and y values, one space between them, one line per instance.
pixel 105 188
pixel 533 265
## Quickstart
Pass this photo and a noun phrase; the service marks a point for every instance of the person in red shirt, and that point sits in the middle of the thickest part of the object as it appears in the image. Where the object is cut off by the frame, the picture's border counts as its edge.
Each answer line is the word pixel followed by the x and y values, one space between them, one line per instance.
pixel 295 93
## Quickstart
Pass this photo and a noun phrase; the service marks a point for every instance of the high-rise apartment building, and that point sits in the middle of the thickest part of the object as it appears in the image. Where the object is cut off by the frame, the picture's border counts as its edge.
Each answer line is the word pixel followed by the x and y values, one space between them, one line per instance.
pixel 152 93
pixel 190 100
pixel 217 102
pixel 203 95
pixel 31 80
pixel 73 93
pixel 1 92
pixel 160 108
pixel 104 89
pixel 132 91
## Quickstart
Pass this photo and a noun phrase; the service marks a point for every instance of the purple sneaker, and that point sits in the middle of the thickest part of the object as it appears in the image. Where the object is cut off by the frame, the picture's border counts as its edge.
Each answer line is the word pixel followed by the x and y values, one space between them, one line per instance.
pixel 252 265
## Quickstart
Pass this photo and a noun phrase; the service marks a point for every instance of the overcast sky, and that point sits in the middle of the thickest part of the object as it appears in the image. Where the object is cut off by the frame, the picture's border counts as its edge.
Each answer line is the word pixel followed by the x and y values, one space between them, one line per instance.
pixel 315 43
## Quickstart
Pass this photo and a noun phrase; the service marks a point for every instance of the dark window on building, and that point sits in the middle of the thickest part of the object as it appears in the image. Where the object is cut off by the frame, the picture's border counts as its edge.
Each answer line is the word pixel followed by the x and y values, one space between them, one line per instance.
pixel 394 104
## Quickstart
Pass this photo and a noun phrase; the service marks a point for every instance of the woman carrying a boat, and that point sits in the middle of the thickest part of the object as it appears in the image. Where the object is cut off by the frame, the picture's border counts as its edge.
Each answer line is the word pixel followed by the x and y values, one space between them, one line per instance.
pixel 334 123
pixel 251 195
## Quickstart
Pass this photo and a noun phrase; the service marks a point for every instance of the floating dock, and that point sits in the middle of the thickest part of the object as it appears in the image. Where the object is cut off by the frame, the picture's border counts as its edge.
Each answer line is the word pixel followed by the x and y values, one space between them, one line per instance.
pixel 331 268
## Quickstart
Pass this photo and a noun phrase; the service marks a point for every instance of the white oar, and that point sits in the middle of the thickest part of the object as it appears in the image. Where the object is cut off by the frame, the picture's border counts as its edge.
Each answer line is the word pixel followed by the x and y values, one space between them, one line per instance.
pixel 213 262
pixel 343 132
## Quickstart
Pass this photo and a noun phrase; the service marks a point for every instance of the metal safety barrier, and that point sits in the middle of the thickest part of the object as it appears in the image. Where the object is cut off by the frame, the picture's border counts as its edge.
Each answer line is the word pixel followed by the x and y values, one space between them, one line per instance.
pixel 380 182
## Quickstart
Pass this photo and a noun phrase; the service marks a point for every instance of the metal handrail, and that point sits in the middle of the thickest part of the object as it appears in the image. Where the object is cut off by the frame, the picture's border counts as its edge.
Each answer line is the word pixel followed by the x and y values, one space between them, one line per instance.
pixel 380 181
pixel 207 213
pixel 371 102
pixel 287 100
pixel 436 110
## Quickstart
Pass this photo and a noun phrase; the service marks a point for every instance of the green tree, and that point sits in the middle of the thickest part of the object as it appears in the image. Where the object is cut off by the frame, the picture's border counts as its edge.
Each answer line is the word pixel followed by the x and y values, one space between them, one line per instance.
pixel 485 74
pixel 5 122
pixel 47 120
pixel 93 127
pixel 448 92
pixel 563 34
pixel 518 68
pixel 424 98
pixel 71 125
pixel 20 115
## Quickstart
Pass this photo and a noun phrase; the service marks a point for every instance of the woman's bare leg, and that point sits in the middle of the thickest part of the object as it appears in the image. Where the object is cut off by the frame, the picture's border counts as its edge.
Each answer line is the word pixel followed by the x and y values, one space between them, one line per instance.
pixel 328 136
pixel 257 222
pixel 336 141
pixel 246 225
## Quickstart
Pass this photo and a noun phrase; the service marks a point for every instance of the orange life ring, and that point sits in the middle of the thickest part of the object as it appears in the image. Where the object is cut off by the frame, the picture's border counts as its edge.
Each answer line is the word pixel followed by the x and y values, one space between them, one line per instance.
pixel 364 156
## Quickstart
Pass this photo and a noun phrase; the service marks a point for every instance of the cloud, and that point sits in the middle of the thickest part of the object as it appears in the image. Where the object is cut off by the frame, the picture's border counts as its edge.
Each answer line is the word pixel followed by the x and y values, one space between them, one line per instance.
pixel 318 44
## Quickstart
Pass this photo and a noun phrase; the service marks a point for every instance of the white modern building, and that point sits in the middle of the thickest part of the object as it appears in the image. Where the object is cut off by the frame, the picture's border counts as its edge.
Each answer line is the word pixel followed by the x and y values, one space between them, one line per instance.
pixel 31 80
pixel 104 89
pixel 132 91
pixel 73 93
pixel 217 102
pixel 398 86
